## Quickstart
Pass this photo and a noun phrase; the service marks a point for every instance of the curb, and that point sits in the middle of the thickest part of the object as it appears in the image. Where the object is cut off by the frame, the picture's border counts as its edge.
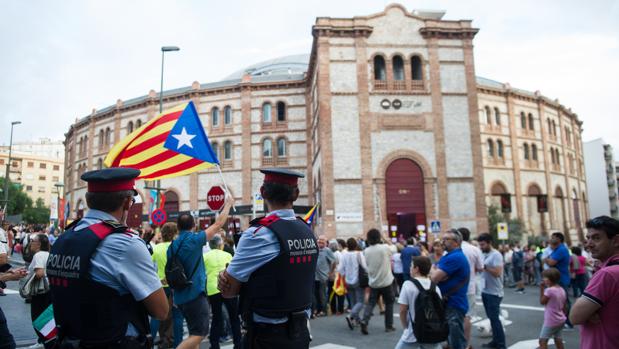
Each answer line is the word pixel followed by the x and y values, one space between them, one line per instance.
pixel 27 343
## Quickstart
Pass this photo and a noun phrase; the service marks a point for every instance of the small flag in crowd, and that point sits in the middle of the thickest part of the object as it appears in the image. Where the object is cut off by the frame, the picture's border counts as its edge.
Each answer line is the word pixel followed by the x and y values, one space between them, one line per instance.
pixel 172 144
pixel 309 216
pixel 45 323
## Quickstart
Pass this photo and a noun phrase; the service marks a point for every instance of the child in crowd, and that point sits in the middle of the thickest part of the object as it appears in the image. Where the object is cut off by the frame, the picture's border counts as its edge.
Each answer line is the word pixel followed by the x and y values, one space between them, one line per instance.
pixel 553 296
pixel 420 268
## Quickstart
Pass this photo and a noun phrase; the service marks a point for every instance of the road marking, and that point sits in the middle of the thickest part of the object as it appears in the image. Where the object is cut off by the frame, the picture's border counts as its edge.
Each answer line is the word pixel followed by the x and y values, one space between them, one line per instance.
pixel 529 344
pixel 322 346
pixel 9 291
pixel 516 306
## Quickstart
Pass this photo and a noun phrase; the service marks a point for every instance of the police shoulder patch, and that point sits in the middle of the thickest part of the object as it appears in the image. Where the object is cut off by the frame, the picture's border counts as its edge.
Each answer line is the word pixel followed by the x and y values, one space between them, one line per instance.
pixel 256 221
pixel 268 220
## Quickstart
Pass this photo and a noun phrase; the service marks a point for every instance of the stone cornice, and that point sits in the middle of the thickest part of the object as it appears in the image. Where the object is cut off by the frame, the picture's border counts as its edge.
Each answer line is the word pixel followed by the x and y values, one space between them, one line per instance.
pixel 448 33
pixel 342 31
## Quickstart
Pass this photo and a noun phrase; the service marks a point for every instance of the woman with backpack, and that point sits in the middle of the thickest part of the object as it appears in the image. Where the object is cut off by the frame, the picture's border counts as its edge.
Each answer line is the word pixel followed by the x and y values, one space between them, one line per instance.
pixel 349 266
pixel 416 332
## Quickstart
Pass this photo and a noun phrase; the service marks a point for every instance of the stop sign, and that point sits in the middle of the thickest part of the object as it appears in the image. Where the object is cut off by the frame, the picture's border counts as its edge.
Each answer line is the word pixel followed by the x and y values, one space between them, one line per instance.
pixel 215 198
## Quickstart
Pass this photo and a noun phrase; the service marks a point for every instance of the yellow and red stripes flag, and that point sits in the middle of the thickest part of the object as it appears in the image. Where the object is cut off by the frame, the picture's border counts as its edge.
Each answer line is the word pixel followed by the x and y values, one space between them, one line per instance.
pixel 172 144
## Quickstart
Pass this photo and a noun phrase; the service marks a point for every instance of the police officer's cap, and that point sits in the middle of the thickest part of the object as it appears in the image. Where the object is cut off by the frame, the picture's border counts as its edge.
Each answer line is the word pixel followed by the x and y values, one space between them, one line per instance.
pixel 112 179
pixel 281 175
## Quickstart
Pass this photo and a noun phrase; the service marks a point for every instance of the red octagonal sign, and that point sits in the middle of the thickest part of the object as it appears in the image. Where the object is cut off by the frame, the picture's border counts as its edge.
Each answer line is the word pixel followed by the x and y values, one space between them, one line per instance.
pixel 215 198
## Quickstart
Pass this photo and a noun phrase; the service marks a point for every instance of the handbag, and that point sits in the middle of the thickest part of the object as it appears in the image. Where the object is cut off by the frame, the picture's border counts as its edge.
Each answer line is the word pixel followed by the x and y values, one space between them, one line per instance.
pixel 364 280
pixel 33 286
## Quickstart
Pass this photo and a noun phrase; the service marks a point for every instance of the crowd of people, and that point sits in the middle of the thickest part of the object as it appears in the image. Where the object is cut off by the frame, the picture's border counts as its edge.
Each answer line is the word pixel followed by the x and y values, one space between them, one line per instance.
pixel 195 277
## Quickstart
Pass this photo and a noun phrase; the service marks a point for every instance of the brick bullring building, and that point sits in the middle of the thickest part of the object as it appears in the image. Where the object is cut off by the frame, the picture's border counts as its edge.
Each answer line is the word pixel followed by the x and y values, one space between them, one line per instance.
pixel 388 121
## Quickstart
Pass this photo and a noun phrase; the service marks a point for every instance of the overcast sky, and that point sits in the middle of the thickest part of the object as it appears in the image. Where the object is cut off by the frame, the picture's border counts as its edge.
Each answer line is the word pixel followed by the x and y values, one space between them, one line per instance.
pixel 60 59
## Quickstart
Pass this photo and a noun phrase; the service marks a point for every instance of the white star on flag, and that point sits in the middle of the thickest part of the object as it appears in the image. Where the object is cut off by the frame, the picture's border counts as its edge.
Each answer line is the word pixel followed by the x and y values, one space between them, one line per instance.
pixel 184 139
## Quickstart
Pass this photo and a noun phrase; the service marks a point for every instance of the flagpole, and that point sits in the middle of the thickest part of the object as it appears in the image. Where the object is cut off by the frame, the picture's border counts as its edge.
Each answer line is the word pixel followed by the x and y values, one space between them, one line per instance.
pixel 224 182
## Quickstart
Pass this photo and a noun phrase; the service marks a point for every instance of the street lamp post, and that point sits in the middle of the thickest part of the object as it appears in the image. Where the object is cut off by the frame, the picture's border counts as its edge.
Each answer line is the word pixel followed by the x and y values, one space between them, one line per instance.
pixel 8 168
pixel 164 49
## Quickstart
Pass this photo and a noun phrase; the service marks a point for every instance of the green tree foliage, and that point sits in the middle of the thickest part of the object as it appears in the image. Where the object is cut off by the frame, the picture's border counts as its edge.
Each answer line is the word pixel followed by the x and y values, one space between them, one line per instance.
pixel 514 225
pixel 39 214
pixel 21 203
pixel 18 200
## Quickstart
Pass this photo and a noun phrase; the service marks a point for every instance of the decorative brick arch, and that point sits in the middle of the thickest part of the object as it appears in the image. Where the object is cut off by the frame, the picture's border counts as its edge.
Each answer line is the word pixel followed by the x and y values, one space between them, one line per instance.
pixel 533 189
pixel 429 180
pixel 498 187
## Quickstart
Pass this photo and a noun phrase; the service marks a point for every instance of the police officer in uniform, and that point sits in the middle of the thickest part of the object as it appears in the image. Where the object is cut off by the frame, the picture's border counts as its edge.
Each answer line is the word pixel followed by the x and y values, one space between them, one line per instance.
pixel 273 269
pixel 103 281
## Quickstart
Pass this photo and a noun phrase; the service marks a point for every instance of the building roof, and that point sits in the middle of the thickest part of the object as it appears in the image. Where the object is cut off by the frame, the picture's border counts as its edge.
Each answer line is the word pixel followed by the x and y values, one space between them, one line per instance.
pixel 286 65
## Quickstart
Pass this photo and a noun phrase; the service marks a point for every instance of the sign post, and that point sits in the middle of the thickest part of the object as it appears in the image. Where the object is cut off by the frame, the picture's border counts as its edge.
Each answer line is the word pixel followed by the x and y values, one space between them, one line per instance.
pixel 502 231
pixel 215 198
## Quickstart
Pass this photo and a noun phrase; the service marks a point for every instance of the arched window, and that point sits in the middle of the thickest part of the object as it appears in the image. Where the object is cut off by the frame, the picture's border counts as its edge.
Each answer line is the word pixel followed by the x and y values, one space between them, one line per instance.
pixel 85 145
pixel 227 115
pixel 109 139
pixel 531 125
pixel 266 112
pixel 497 116
pixel 267 148
pixel 549 126
pixel 130 127
pixel 281 111
pixel 554 128
pixel 552 156
pixel 526 151
pixel 416 69
pixel 215 117
pixel 488 115
pixel 101 140
pixel 499 148
pixel 398 68
pixel 558 157
pixel 534 152
pixel 138 124
pixel 99 164
pixel 523 120
pixel 281 147
pixel 379 68
pixel 227 150
pixel 215 148
pixel 490 148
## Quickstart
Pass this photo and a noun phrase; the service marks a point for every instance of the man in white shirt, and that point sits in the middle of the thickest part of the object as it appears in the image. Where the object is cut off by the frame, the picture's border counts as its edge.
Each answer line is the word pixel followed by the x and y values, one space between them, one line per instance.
pixel 474 256
pixel 378 259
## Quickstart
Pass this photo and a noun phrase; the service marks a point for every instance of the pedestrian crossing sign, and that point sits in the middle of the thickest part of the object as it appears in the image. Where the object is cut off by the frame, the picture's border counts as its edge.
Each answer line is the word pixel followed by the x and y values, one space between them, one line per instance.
pixel 435 226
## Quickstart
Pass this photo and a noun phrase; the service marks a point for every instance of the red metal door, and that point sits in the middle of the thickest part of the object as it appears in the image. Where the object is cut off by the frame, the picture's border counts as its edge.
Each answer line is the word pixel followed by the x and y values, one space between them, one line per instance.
pixel 134 218
pixel 405 196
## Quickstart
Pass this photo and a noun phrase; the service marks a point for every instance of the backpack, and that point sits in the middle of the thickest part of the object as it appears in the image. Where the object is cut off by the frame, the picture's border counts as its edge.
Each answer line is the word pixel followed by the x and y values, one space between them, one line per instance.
pixel 175 272
pixel 430 325
pixel 26 253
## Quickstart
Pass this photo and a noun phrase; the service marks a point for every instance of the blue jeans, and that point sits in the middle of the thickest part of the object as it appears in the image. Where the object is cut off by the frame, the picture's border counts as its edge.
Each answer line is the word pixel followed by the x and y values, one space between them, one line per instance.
pixel 177 320
pixel 455 321
pixel 357 295
pixel 492 305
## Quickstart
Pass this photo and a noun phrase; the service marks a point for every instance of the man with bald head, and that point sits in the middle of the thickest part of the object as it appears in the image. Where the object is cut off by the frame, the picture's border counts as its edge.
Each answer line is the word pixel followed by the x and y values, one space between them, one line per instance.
pixel 324 267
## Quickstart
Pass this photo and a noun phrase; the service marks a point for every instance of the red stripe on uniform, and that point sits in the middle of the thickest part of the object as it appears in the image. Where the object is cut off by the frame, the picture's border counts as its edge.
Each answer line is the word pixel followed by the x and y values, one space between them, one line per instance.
pixel 101 230
pixel 291 260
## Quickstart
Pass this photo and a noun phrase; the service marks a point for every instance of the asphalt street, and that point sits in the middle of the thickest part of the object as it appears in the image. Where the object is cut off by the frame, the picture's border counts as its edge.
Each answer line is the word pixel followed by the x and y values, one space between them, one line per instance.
pixel 523 323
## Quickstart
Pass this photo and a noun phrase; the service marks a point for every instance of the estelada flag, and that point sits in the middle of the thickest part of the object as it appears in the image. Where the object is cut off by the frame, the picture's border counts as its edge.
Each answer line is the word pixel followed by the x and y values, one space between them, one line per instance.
pixel 310 215
pixel 172 144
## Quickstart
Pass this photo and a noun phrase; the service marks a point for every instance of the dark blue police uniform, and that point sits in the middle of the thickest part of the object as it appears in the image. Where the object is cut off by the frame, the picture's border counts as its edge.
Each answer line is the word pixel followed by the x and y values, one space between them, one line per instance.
pixel 99 272
pixel 276 262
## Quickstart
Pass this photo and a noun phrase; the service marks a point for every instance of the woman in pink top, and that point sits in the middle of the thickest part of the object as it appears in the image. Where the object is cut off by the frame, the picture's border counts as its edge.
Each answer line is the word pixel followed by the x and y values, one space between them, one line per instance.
pixel 554 298
pixel 578 272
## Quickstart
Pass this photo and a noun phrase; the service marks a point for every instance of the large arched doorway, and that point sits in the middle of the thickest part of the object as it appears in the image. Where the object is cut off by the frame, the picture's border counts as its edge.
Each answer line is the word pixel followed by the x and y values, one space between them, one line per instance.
pixel 534 215
pixel 405 197
pixel 171 204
